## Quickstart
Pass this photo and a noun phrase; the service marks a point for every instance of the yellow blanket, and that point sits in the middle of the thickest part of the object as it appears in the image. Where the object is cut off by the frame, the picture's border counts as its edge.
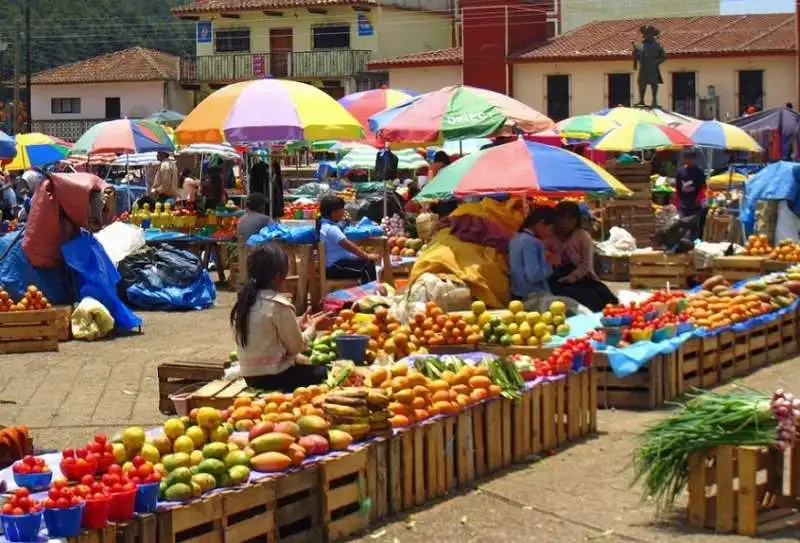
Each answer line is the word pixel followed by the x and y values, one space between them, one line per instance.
pixel 483 269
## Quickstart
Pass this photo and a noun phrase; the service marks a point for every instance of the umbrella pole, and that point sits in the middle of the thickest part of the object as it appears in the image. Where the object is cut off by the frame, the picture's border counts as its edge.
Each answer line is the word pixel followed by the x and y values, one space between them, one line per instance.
pixel 269 180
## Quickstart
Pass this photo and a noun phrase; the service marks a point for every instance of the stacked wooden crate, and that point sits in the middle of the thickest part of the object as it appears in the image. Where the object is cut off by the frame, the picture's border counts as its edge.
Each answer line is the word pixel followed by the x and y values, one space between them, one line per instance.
pixel 634 214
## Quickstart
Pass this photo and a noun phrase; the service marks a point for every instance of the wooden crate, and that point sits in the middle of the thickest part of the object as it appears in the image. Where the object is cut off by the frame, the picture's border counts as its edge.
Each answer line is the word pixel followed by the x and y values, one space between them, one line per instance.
pixel 717 228
pixel 63 322
pixel 176 375
pixel 651 386
pixel 751 491
pixel 248 513
pixel 697 364
pixel 736 268
pixel 654 270
pixel 777 266
pixel 28 331
pixel 344 494
pixel 298 506
pixel 612 268
pixel 106 535
pixel 635 217
pixel 379 479
pixel 140 529
pixel 581 404
pixel 636 177
pixel 192 523
pixel 218 394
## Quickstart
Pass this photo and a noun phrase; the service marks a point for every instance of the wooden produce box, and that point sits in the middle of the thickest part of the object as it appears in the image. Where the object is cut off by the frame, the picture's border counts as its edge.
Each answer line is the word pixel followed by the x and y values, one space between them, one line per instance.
pixel 656 383
pixel 612 268
pixel 343 485
pixel 717 228
pixel 218 394
pixel 109 534
pixel 64 322
pixel 298 506
pixel 178 375
pixel 142 528
pixel 636 177
pixel 28 331
pixel 744 490
pixel 737 268
pixel 654 270
pixel 635 217
pixel 778 266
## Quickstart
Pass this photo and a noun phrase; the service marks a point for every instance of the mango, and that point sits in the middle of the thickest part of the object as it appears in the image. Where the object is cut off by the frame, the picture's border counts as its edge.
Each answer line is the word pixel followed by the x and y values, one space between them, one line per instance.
pixel 312 424
pixel 272 442
pixel 213 466
pixel 205 480
pixel 239 475
pixel 215 450
pixel 236 458
pixel 179 475
pixel 314 444
pixel 178 492
pixel 260 429
pixel 339 440
pixel 270 462
pixel 297 453
pixel 287 427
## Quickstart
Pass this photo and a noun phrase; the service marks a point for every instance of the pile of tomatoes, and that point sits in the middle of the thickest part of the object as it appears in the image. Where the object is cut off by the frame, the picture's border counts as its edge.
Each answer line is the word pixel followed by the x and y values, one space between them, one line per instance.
pixel 21 503
pixel 30 464
pixel 63 496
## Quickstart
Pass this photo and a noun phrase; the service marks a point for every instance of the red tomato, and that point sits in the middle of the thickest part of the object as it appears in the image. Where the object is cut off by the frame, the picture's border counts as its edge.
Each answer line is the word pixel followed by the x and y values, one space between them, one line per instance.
pixel 115 469
pixel 81 453
pixel 101 438
pixel 62 503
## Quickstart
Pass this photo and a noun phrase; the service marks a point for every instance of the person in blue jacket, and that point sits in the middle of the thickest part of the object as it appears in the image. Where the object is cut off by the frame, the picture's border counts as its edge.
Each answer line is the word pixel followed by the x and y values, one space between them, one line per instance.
pixel 529 262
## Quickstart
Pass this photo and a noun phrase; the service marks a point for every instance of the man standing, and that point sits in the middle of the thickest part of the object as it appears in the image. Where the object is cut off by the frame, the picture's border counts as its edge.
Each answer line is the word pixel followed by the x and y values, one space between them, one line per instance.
pixel 165 184
pixel 690 190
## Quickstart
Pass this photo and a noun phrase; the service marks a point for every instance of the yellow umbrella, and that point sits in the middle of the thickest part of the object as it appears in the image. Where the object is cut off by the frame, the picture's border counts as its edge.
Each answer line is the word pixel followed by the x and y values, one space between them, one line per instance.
pixel 37 149
pixel 721 180
pixel 627 115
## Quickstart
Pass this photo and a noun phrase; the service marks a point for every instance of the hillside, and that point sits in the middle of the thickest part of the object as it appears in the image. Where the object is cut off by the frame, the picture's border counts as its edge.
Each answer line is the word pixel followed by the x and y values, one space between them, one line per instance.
pixel 70 30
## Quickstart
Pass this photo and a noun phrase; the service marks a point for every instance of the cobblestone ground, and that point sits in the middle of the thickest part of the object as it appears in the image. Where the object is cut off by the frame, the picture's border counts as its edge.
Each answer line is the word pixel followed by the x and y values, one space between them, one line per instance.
pixel 580 494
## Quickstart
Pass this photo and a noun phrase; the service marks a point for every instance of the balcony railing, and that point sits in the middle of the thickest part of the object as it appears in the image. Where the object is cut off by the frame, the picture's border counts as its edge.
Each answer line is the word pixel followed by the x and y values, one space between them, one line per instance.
pixel 290 64
pixel 67 129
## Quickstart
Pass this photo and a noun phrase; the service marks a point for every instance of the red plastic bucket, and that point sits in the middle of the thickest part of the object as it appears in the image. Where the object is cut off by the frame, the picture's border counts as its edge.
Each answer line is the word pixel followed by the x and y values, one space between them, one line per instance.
pixel 95 514
pixel 121 505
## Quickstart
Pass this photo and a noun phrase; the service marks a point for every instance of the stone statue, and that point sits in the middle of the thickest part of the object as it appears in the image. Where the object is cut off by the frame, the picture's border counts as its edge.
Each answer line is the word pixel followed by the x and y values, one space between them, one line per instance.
pixel 647 58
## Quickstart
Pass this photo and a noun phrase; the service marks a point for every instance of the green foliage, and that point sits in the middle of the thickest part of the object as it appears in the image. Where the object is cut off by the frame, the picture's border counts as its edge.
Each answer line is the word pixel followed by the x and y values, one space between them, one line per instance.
pixel 64 31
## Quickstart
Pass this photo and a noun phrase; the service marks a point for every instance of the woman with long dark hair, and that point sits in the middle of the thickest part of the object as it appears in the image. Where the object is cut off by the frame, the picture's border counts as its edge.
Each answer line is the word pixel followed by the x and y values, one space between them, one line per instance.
pixel 575 277
pixel 343 258
pixel 269 337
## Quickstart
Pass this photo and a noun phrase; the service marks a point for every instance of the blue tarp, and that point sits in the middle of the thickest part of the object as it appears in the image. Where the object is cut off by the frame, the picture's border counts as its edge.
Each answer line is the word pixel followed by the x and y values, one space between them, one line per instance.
pixel 16 273
pixel 156 234
pixel 778 181
pixel 97 277
pixel 200 294
pixel 306 235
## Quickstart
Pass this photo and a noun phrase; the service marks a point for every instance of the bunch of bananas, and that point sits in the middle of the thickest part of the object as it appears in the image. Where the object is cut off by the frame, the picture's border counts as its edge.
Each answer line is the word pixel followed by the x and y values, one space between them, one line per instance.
pixel 360 412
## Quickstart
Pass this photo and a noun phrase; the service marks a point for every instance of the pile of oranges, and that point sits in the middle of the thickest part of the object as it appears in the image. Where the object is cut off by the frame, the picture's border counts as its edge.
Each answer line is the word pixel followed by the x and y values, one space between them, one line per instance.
pixel 275 407
pixel 434 327
pixel 758 245
pixel 32 300
pixel 786 251
pixel 416 398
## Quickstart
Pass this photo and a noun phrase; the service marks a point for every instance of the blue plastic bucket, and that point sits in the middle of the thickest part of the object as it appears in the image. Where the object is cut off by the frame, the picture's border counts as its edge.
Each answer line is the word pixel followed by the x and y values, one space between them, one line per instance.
pixel 64 522
pixel 352 348
pixel 21 527
pixel 33 481
pixel 147 497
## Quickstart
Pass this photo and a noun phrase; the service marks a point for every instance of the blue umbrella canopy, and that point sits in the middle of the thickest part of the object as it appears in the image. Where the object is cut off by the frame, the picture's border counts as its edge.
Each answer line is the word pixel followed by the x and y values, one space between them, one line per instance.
pixel 8 149
pixel 166 116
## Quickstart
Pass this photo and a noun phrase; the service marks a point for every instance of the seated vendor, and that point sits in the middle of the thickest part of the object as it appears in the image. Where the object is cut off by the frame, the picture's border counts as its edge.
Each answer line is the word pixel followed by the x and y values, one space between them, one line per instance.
pixel 268 335
pixel 574 276
pixel 254 218
pixel 529 263
pixel 343 258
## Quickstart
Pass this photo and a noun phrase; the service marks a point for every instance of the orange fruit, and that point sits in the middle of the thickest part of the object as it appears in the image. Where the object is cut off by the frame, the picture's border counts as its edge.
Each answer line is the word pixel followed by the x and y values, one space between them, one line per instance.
pixel 399 421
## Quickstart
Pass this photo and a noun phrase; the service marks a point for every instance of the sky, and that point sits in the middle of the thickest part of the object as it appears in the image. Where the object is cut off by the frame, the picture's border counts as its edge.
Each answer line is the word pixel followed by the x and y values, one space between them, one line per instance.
pixel 757 6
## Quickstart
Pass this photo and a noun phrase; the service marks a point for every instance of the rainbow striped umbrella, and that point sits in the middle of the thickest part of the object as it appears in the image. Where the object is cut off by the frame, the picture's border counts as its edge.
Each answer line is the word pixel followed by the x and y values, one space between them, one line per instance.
pixel 362 105
pixel 123 136
pixel 267 110
pixel 37 149
pixel 454 113
pixel 717 135
pixel 640 136
pixel 528 168
pixel 585 127
pixel 627 115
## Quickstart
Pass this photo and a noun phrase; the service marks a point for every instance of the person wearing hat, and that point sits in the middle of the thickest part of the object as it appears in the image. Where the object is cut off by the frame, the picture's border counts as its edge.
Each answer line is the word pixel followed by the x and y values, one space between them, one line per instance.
pixel 690 189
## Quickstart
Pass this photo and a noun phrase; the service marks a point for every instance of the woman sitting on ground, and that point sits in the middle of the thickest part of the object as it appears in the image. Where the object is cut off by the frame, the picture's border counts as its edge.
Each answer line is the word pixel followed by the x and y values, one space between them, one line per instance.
pixel 529 264
pixel 343 258
pixel 268 335
pixel 574 277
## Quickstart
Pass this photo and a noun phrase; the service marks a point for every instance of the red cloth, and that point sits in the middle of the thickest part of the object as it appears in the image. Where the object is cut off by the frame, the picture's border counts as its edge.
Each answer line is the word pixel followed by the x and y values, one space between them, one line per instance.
pixel 58 210
pixel 479 230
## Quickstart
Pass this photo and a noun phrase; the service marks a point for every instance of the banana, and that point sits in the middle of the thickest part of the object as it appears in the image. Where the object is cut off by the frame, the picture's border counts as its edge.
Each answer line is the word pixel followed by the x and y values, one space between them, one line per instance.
pixel 344 410
pixel 377 400
pixel 353 392
pixel 379 416
pixel 354 429
pixel 335 420
pixel 344 400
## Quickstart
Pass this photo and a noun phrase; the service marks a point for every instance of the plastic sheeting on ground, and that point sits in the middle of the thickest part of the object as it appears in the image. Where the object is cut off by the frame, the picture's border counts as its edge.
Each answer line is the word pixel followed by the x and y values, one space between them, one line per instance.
pixel 16 273
pixel 199 294
pixel 98 277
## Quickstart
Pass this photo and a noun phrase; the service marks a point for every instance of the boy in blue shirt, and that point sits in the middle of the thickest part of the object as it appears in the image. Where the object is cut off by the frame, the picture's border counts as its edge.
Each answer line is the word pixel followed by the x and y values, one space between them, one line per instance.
pixel 343 258
pixel 529 263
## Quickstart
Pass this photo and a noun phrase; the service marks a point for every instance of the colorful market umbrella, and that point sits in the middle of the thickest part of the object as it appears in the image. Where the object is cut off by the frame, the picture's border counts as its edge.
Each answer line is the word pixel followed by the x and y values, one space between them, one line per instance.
pixel 627 115
pixel 123 136
pixel 717 135
pixel 36 149
pixel 460 147
pixel 224 150
pixel 640 136
pixel 363 158
pixel 585 127
pixel 527 168
pixel 267 110
pixel 166 116
pixel 453 113
pixel 8 148
pixel 672 118
pixel 362 105
pixel 722 181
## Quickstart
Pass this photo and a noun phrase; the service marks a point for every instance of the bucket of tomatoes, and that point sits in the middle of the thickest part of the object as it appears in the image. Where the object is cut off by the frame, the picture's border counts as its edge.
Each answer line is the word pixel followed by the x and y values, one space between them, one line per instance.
pixel 63 508
pixel 21 517
pixel 32 473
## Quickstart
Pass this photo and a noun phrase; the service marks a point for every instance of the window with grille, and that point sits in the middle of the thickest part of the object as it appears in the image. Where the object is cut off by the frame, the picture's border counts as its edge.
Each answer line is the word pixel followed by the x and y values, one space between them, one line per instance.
pixel 684 93
pixel 331 37
pixel 558 97
pixel 751 90
pixel 65 105
pixel 619 90
pixel 232 40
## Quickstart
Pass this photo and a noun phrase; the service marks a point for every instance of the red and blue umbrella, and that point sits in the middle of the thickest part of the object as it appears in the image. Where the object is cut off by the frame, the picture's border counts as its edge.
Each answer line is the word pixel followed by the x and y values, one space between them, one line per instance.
pixel 365 104
pixel 522 168
pixel 124 136
pixel 717 135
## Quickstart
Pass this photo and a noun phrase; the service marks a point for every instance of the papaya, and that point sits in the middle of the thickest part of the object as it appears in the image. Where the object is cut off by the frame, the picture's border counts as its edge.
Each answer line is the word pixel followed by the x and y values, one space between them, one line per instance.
pixel 270 462
pixel 271 442
pixel 339 440
pixel 312 424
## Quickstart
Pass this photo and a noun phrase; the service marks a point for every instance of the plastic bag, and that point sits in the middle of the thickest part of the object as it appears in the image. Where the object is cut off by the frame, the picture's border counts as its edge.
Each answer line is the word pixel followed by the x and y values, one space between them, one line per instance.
pixel 363 229
pixel 91 320
pixel 448 294
pixel 97 278
pixel 200 294
pixel 120 239
pixel 296 235
pixel 619 242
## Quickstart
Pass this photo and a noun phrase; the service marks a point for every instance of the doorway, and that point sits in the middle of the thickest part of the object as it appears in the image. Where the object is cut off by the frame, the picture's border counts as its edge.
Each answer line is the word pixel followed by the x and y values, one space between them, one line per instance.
pixel 281 43
pixel 113 108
